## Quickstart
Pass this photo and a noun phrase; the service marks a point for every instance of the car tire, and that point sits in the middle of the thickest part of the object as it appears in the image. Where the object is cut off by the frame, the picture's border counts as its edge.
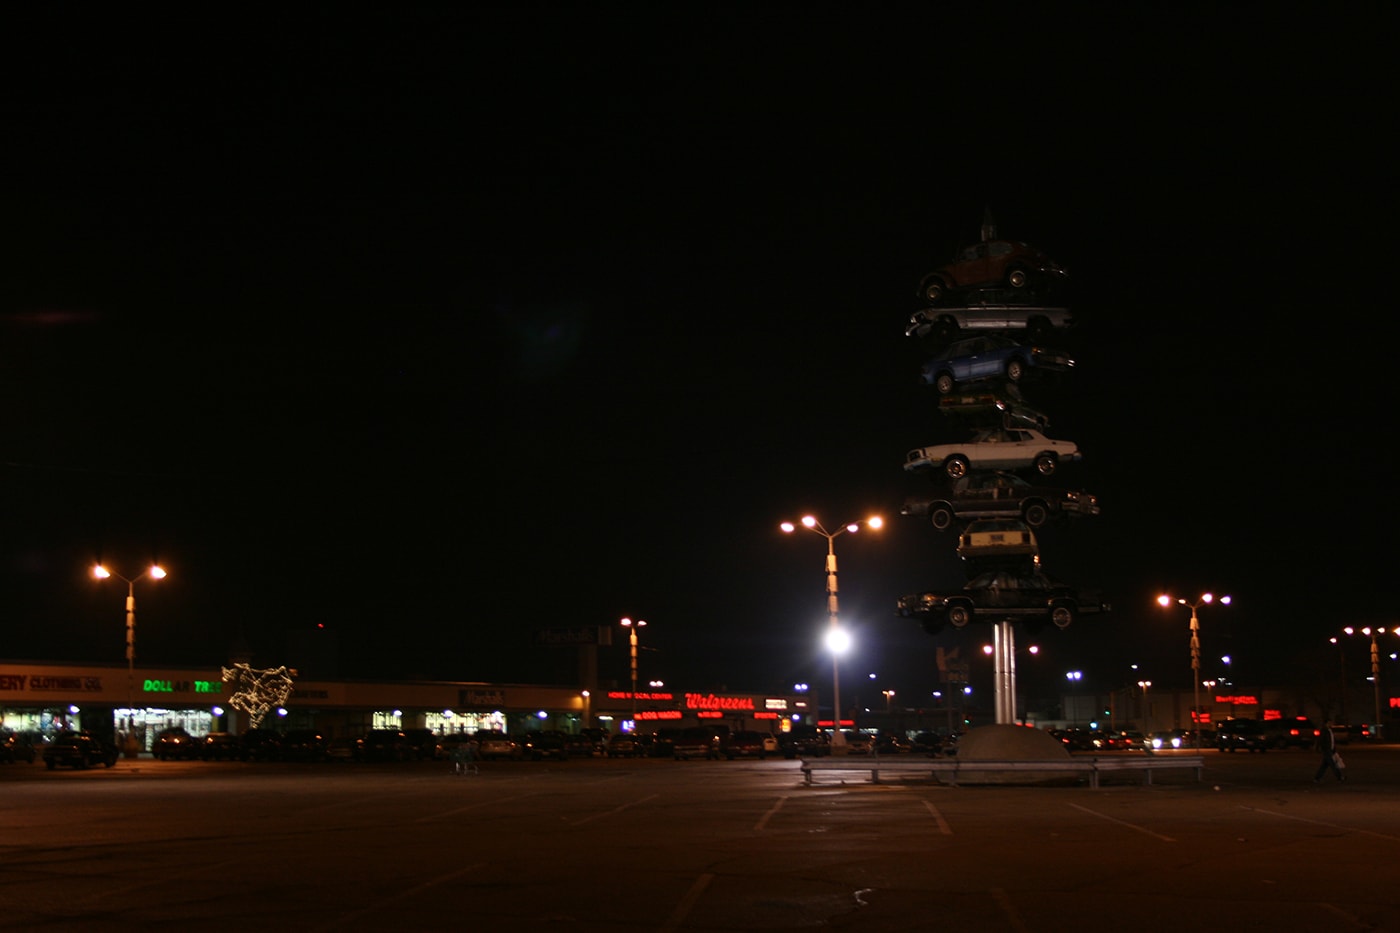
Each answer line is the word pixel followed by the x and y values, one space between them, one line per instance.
pixel 943 382
pixel 957 466
pixel 1045 464
pixel 1015 369
pixel 933 291
pixel 944 330
pixel 1062 616
pixel 959 615
pixel 941 517
pixel 1018 278
pixel 1035 514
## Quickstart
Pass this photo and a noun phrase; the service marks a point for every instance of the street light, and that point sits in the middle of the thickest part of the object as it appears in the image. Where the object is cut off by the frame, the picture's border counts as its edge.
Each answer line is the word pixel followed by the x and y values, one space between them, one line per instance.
pixel 632 628
pixel 155 572
pixel 1205 599
pixel 1375 663
pixel 1074 677
pixel 836 639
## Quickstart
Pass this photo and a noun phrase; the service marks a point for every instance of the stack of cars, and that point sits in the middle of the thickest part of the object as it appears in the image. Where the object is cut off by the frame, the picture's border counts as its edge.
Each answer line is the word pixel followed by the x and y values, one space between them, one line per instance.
pixel 989 317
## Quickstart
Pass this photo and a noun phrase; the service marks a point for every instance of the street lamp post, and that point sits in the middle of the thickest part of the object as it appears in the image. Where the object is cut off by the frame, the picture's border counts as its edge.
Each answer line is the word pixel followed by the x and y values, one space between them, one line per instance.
pixel 632 628
pixel 1073 677
pixel 155 572
pixel 1375 665
pixel 1204 599
pixel 836 639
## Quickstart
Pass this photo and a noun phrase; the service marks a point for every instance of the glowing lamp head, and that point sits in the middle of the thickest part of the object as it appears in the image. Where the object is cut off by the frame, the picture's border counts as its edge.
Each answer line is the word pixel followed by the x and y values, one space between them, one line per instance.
pixel 838 640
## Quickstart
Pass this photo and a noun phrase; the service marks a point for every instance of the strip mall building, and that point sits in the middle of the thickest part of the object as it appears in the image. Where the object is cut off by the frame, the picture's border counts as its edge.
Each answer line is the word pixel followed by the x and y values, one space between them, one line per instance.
pixel 109 700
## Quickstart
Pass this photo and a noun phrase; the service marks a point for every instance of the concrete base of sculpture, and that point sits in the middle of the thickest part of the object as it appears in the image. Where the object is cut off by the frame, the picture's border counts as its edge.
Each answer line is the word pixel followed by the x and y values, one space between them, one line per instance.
pixel 1011 743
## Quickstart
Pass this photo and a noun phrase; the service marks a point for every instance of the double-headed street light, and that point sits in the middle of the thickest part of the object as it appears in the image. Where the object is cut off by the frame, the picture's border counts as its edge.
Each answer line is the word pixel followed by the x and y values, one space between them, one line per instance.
pixel 1205 599
pixel 155 572
pixel 632 628
pixel 837 640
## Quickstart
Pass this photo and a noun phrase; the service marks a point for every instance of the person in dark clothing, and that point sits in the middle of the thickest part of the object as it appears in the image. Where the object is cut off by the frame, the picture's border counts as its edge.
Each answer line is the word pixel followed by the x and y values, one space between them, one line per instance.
pixel 1327 744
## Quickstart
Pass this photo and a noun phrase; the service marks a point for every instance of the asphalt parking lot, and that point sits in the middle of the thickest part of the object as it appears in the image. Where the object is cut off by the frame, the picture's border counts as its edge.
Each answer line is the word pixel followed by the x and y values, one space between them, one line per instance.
pixel 660 845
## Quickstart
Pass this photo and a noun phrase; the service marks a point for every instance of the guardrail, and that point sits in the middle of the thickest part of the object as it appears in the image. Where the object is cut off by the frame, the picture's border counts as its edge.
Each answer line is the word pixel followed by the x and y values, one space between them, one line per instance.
pixel 951 768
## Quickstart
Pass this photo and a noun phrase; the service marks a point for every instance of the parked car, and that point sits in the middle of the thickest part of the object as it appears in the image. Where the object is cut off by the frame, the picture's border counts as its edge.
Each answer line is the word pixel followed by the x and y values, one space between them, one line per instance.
pixel 985 313
pixel 259 745
pixel 537 746
pixel 174 742
pixel 219 746
pixel 578 745
pixel 997 539
pixel 805 742
pixel 345 748
pixel 998 495
pixel 994 449
pixel 1009 264
pixel 892 743
pixel 696 743
pixel 386 745
pixel 421 742
pixel 1241 735
pixel 989 356
pixel 497 745
pixel 1292 732
pixel 304 745
pixel 857 743
pixel 79 749
pixel 1003 594
pixel 623 745
pixel 749 744
pixel 16 747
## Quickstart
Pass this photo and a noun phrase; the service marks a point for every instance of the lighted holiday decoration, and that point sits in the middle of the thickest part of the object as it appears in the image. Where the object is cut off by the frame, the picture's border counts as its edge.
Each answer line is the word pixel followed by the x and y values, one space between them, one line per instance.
pixel 257 692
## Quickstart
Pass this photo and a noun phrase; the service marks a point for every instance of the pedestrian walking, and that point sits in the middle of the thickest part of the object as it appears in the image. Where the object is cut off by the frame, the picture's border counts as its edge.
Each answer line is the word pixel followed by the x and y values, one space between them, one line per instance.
pixel 1331 758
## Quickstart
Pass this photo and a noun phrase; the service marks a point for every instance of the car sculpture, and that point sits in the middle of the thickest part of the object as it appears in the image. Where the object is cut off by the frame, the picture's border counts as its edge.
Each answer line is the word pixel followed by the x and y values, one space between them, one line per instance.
pixel 991 356
pixel 995 449
pixel 1038 322
pixel 1011 265
pixel 998 495
pixel 990 541
pixel 1002 595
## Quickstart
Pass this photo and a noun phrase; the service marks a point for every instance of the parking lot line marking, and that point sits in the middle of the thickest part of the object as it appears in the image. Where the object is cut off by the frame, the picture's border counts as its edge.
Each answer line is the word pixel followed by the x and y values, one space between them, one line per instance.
pixel 1304 819
pixel 771 810
pixel 475 806
pixel 599 816
pixel 1111 819
pixel 1013 916
pixel 401 896
pixel 943 826
pixel 683 908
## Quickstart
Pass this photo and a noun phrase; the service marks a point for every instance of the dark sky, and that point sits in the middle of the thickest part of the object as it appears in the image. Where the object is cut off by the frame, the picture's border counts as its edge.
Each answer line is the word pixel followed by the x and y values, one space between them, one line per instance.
pixel 438 327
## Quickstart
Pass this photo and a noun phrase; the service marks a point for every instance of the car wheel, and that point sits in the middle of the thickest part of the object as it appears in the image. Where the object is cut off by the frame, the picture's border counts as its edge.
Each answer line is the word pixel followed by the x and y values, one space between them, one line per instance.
pixel 1035 514
pixel 1015 369
pixel 1045 464
pixel 941 517
pixel 956 466
pixel 1062 616
pixel 1018 278
pixel 933 291
pixel 959 615
pixel 943 382
pixel 944 330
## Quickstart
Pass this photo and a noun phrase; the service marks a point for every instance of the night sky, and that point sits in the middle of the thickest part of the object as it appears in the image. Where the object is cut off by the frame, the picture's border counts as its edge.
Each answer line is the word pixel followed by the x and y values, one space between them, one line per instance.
pixel 412 333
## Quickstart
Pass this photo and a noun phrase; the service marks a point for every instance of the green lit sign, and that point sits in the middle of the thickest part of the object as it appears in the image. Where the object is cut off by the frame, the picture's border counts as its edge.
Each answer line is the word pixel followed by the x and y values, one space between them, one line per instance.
pixel 182 686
